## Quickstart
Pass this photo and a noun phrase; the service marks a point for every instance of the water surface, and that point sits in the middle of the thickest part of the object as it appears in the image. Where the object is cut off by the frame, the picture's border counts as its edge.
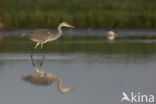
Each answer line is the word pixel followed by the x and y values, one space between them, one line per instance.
pixel 100 69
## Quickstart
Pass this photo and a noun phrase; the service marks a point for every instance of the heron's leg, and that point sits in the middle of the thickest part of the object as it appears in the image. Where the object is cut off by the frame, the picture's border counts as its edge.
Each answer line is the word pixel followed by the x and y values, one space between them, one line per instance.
pixel 36 45
pixel 43 57
pixel 41 45
pixel 32 58
pixel 33 63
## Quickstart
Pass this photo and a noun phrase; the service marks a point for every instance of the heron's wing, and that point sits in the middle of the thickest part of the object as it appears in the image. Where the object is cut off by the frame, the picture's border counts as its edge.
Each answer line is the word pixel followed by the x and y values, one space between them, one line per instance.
pixel 41 31
pixel 38 35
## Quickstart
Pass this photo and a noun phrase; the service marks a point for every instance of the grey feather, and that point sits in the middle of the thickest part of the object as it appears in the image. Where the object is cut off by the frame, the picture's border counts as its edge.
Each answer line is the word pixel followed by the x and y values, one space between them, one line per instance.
pixel 38 35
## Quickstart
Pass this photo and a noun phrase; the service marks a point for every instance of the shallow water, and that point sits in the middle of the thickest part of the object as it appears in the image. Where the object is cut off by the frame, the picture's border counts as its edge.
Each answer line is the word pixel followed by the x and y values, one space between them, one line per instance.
pixel 98 79
pixel 101 70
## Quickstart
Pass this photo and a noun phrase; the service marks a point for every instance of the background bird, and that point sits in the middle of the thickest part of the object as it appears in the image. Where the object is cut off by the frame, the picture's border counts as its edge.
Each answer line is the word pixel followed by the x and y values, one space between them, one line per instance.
pixel 42 36
pixel 111 35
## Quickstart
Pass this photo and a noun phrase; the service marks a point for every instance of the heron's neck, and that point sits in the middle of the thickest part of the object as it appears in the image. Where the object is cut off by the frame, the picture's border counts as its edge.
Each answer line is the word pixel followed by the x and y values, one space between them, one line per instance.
pixel 59 31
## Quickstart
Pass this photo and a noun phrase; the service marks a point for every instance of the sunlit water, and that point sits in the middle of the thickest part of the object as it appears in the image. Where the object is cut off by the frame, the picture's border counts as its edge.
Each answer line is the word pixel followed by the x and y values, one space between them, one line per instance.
pixel 100 70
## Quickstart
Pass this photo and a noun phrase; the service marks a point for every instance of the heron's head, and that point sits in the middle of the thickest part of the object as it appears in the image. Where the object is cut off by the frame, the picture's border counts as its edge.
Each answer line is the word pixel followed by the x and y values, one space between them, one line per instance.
pixel 65 24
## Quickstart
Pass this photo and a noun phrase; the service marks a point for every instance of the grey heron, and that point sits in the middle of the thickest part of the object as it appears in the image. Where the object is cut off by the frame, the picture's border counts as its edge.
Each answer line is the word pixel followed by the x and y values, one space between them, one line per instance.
pixel 42 36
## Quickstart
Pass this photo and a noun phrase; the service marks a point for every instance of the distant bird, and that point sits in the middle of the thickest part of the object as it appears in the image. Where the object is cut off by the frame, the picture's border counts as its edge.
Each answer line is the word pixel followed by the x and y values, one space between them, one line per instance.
pixel 42 36
pixel 111 35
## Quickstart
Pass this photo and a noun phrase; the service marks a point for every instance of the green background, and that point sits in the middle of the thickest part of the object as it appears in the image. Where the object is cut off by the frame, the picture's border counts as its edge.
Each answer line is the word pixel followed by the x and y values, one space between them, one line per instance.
pixel 80 13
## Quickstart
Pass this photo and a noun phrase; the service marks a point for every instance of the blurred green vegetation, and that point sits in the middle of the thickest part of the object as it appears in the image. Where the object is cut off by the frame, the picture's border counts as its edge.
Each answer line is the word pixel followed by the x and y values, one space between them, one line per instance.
pixel 87 45
pixel 83 14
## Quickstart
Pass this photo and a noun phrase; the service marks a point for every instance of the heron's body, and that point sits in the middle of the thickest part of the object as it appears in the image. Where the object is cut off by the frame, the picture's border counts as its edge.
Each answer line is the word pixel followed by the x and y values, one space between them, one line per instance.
pixel 42 36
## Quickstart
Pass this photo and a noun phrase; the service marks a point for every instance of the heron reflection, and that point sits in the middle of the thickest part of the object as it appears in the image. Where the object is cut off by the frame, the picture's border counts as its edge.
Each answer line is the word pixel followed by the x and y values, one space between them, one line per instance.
pixel 43 78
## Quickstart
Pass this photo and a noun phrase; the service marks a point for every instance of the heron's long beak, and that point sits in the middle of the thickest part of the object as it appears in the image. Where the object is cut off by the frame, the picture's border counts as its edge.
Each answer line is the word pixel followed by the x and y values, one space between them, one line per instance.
pixel 71 26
